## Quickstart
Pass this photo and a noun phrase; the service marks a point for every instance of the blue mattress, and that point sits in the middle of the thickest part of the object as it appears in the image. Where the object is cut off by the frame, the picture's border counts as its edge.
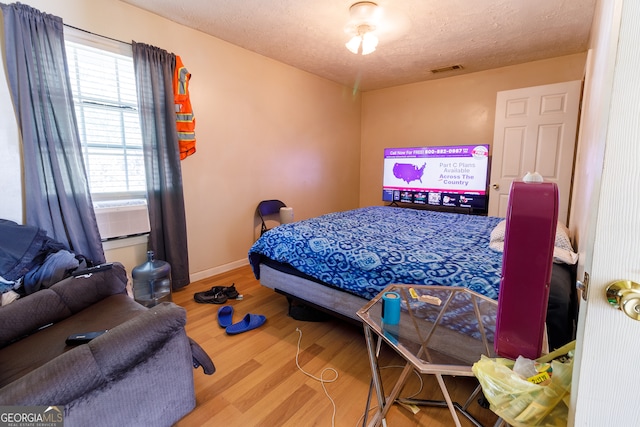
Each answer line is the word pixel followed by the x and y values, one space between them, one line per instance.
pixel 362 251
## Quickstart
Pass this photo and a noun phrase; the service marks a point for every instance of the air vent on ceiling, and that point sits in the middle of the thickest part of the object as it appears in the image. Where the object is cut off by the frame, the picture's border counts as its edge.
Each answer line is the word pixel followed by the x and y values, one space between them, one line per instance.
pixel 445 69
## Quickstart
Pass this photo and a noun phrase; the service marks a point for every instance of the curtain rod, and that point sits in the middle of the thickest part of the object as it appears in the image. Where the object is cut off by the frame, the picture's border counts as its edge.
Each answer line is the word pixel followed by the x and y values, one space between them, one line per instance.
pixel 99 35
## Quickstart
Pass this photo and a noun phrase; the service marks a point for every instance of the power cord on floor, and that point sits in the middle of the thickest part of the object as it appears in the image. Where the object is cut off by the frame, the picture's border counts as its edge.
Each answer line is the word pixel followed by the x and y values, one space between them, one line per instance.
pixel 322 380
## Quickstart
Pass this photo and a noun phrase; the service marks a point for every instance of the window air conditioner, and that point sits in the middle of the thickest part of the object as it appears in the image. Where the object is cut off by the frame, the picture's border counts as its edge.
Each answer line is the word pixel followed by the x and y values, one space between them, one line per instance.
pixel 121 218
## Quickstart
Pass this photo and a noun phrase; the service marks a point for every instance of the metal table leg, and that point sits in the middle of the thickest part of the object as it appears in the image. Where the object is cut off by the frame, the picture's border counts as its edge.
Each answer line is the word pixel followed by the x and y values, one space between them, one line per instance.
pixel 369 395
pixel 375 377
pixel 447 398
pixel 383 402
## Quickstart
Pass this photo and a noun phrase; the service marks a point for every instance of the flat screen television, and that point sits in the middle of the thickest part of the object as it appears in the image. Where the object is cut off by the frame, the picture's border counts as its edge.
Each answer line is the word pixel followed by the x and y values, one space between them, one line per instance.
pixel 451 176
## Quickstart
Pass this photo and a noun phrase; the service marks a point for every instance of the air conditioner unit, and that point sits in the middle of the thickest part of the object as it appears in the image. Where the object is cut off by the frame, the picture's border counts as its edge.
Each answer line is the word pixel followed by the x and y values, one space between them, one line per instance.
pixel 121 218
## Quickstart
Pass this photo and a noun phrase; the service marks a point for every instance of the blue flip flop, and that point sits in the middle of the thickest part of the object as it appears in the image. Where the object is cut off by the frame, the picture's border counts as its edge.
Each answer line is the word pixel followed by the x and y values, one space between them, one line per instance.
pixel 225 315
pixel 249 322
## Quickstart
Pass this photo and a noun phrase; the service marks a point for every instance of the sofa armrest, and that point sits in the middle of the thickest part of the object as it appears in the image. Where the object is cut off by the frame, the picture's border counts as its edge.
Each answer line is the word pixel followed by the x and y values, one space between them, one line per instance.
pixel 101 361
pixel 68 296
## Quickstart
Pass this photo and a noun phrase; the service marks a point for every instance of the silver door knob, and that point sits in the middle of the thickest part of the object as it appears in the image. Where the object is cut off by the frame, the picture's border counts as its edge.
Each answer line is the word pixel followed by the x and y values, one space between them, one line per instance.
pixel 496 186
pixel 625 295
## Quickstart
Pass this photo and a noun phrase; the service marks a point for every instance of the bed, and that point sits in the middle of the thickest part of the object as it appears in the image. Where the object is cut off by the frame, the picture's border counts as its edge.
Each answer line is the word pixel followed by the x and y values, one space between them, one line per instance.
pixel 339 261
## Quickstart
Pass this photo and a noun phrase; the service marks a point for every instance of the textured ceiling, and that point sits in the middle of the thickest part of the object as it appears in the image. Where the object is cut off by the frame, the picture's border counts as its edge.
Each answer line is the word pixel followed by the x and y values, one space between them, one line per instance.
pixel 415 36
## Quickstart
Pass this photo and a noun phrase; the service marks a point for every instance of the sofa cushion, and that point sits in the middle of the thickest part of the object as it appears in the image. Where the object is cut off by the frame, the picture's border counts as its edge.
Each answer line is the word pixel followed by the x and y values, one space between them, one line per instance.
pixel 29 353
pixel 71 295
pixel 90 374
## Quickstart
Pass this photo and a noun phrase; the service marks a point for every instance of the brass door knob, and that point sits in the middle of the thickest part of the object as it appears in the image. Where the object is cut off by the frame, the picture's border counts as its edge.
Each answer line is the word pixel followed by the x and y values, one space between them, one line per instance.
pixel 496 186
pixel 625 295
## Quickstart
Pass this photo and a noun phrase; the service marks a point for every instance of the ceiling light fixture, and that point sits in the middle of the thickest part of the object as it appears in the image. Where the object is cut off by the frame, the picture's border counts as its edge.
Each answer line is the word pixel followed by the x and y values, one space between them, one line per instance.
pixel 363 17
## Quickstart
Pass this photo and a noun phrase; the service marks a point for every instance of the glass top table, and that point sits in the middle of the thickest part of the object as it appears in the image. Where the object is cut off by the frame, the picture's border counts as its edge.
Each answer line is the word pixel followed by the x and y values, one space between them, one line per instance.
pixel 441 330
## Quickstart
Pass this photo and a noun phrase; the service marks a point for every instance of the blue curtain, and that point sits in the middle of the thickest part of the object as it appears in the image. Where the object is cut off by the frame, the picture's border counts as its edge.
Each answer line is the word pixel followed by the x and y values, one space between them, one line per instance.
pixel 57 195
pixel 168 237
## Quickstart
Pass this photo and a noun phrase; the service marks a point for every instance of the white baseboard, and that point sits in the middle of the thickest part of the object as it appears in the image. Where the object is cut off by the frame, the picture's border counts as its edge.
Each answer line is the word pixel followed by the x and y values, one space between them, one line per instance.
pixel 218 270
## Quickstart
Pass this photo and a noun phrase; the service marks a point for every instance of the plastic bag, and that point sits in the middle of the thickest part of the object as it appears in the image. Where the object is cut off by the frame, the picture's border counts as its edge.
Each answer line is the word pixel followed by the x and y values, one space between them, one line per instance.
pixel 523 403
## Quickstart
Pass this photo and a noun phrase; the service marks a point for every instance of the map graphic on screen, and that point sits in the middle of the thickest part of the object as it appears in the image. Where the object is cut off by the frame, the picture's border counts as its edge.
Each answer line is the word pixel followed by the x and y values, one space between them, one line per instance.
pixel 454 176
pixel 408 172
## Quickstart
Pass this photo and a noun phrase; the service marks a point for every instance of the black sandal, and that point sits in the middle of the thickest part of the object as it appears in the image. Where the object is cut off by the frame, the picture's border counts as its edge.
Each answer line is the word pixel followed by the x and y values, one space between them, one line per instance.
pixel 214 295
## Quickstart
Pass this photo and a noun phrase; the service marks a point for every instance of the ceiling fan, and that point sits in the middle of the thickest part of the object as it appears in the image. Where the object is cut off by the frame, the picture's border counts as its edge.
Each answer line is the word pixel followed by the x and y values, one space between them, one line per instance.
pixel 367 22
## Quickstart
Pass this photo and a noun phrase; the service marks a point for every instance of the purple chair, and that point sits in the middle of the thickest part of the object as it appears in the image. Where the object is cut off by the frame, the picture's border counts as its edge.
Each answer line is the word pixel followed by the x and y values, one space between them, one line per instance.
pixel 267 208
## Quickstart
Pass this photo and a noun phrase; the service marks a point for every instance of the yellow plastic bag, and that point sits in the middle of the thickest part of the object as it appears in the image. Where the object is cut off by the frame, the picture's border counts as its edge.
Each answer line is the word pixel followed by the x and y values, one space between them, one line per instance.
pixel 523 403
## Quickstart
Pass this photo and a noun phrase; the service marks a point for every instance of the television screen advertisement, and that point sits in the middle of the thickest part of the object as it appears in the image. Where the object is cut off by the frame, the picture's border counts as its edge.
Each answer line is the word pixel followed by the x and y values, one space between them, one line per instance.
pixel 453 176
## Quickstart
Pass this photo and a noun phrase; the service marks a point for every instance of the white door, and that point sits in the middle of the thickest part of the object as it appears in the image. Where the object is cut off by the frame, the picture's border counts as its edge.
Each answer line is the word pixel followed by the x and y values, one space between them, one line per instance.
pixel 605 209
pixel 535 131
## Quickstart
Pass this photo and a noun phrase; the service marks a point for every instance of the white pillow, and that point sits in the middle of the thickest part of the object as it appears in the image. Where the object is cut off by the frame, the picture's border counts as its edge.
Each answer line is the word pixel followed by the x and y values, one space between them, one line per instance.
pixel 562 252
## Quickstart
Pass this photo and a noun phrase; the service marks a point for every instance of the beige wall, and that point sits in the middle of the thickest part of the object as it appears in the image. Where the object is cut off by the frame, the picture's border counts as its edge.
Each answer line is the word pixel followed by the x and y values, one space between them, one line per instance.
pixel 264 130
pixel 267 130
pixel 451 111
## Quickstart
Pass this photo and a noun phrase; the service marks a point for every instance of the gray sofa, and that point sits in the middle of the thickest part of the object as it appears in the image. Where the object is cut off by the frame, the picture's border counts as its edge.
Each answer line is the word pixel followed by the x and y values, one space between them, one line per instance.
pixel 140 372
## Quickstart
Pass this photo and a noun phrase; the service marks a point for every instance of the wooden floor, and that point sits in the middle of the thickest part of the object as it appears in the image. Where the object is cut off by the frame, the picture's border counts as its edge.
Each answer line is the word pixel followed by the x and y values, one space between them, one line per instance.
pixel 257 382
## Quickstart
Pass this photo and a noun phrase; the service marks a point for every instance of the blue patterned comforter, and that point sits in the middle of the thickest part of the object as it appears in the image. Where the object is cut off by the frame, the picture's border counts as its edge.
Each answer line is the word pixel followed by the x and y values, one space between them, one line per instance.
pixel 363 250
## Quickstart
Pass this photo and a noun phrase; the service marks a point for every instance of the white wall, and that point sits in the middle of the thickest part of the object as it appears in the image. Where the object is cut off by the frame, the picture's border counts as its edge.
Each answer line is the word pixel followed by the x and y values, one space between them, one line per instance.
pixel 10 164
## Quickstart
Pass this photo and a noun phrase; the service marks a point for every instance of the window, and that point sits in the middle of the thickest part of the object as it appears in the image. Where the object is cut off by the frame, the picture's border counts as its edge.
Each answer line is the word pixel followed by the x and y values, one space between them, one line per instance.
pixel 105 99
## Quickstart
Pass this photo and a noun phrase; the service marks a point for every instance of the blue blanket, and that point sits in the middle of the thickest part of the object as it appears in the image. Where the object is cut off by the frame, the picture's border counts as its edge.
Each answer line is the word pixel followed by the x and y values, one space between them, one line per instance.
pixel 363 250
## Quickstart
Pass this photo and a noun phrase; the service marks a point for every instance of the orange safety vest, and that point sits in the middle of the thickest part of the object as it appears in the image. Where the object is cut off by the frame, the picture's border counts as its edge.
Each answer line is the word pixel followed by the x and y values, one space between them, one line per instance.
pixel 185 121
